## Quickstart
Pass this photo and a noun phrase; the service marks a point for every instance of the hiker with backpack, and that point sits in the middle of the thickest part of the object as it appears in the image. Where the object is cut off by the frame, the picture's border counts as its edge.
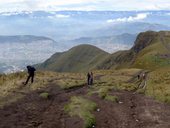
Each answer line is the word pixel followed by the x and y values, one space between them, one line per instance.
pixel 143 80
pixel 90 78
pixel 31 73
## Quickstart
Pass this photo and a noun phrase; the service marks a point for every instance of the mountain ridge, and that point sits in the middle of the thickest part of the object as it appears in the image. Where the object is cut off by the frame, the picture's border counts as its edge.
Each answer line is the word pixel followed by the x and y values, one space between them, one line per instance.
pixel 22 38
pixel 146 52
pixel 78 59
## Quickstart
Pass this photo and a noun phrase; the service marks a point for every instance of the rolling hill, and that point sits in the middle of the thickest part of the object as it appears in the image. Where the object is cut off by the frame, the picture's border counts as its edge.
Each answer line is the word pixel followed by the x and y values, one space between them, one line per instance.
pixel 65 100
pixel 110 44
pixel 78 59
pixel 150 51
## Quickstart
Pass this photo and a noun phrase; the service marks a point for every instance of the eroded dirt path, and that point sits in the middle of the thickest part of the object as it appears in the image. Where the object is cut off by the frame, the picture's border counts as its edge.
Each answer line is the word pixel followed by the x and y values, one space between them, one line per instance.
pixel 132 111
pixel 35 112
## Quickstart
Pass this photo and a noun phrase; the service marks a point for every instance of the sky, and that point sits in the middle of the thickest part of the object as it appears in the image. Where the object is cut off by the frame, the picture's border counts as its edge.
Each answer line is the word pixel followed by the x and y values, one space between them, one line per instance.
pixel 84 5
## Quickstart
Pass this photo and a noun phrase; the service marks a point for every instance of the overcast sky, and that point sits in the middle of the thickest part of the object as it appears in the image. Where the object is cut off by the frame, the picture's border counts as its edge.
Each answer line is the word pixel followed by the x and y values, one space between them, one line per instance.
pixel 85 5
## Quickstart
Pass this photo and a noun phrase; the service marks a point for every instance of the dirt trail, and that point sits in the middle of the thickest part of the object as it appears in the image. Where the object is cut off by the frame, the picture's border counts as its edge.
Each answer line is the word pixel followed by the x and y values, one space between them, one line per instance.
pixel 33 111
pixel 132 111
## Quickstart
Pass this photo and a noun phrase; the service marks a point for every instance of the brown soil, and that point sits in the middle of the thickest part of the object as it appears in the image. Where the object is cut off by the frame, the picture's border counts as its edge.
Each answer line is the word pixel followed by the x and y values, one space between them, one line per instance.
pixel 132 111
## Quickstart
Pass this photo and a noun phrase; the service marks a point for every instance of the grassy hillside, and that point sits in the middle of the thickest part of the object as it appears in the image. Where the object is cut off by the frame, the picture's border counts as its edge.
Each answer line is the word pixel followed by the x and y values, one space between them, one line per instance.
pixel 156 54
pixel 150 51
pixel 78 59
pixel 55 97
pixel 64 99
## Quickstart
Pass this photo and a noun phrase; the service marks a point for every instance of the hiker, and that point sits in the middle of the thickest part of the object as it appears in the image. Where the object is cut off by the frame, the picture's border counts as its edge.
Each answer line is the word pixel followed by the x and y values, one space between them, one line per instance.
pixel 88 78
pixel 144 76
pixel 91 78
pixel 31 73
pixel 138 76
pixel 144 79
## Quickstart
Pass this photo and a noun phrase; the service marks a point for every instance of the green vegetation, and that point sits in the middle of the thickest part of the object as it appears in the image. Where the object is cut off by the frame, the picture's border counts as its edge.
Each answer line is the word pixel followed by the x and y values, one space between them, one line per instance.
pixel 44 95
pixel 81 58
pixel 158 85
pixel 13 89
pixel 70 80
pixel 82 108
pixel 153 57
pixel 150 53
pixel 111 98
pixel 101 90
pixel 124 79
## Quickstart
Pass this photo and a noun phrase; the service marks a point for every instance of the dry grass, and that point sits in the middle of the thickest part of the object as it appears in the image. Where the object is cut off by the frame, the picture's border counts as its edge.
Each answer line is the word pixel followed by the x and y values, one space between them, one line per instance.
pixel 13 89
pixel 158 85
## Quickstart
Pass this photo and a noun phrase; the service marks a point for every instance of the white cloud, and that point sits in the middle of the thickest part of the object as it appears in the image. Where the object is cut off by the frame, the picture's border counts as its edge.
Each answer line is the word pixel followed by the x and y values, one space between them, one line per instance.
pixel 138 17
pixel 9 13
pixel 62 16
pixel 14 13
pixel 59 16
pixel 54 5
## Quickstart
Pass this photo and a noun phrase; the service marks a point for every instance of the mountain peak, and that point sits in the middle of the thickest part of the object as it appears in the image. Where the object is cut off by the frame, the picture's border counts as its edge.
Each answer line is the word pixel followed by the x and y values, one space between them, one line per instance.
pixel 86 47
pixel 81 58
pixel 147 38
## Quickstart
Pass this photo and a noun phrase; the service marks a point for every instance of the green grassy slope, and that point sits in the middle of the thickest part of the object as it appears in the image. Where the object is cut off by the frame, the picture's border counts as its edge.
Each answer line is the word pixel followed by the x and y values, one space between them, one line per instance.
pixel 155 55
pixel 150 51
pixel 78 59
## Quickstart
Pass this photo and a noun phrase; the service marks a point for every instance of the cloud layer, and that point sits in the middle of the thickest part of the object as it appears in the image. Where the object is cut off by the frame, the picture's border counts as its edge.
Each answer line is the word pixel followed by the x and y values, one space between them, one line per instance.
pixel 54 5
pixel 138 17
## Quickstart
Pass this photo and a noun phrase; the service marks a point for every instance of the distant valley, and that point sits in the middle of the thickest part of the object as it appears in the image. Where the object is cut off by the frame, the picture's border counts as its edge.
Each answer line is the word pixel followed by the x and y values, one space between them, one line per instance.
pixel 32 37
pixel 21 50
pixel 109 44
pixel 18 51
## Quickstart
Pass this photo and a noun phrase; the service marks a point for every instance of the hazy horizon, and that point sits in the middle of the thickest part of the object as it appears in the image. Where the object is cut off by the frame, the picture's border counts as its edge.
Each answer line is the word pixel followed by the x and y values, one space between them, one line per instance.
pixel 111 25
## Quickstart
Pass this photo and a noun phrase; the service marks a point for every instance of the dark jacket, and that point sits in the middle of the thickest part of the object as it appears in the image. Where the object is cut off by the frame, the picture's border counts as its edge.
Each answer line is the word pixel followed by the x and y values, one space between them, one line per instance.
pixel 31 70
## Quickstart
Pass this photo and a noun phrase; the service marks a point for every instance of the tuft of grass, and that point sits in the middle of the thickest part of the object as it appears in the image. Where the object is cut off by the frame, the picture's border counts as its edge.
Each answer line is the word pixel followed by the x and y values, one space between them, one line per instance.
pixel 167 99
pixel 101 90
pixel 111 98
pixel 44 95
pixel 141 91
pixel 126 86
pixel 82 108
pixel 71 80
